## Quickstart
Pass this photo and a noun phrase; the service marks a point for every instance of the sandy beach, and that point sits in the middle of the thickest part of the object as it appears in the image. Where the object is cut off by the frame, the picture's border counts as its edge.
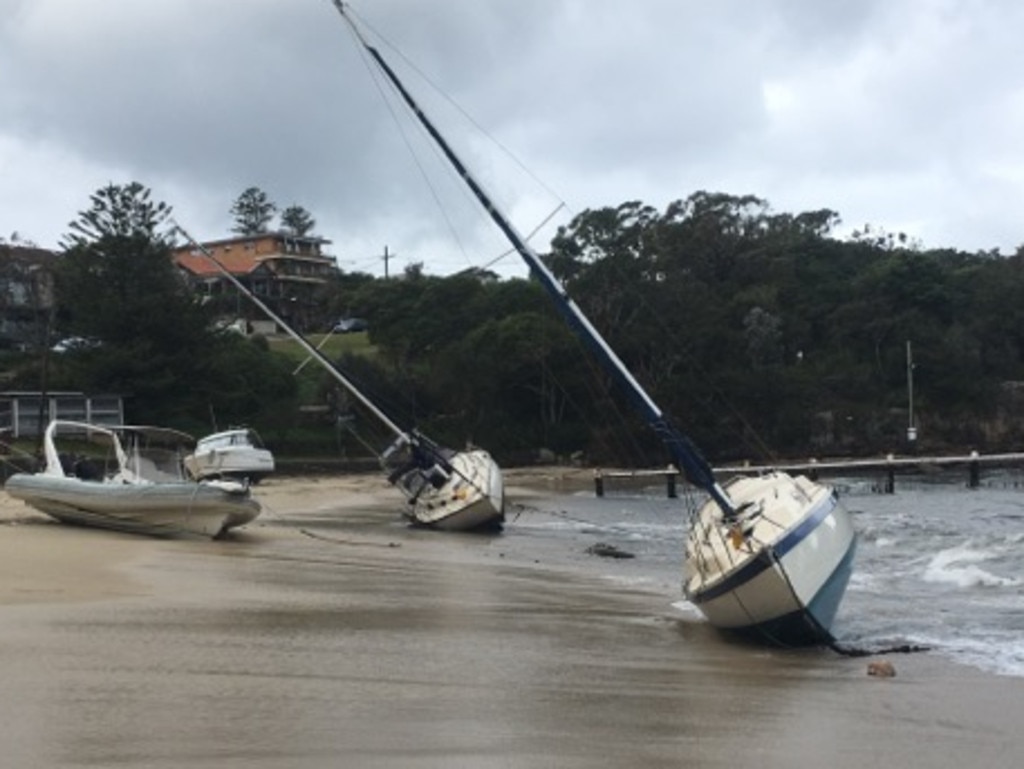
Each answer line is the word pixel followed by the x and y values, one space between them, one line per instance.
pixel 327 633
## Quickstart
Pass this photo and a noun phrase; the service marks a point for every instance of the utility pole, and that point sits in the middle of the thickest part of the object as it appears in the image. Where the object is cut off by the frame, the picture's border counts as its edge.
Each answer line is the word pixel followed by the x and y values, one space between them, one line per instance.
pixel 911 427
pixel 386 257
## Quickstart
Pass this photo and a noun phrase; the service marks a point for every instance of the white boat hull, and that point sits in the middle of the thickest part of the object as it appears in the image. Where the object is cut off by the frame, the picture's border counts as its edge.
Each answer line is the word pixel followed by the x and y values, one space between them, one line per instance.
pixel 157 509
pixel 472 498
pixel 230 454
pixel 251 464
pixel 782 573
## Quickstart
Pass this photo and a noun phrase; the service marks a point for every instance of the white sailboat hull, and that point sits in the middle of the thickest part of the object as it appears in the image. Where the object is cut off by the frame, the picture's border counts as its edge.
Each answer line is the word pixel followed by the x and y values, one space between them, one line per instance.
pixel 473 497
pixel 782 574
pixel 156 509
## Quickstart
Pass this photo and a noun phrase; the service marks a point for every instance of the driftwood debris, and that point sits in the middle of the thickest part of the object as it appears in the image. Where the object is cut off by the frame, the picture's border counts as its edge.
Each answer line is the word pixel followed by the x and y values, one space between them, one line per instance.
pixel 608 551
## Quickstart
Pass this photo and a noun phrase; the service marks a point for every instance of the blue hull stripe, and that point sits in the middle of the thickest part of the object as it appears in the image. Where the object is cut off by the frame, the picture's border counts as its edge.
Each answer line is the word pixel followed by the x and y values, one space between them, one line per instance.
pixel 813 627
pixel 810 628
pixel 824 606
pixel 762 560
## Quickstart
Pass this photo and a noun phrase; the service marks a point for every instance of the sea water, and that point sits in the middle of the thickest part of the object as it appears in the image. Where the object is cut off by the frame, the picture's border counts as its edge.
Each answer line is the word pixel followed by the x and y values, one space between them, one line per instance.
pixel 938 564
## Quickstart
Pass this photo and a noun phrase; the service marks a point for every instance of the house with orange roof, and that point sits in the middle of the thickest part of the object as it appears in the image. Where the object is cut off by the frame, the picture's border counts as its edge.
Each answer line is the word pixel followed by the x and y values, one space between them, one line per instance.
pixel 284 270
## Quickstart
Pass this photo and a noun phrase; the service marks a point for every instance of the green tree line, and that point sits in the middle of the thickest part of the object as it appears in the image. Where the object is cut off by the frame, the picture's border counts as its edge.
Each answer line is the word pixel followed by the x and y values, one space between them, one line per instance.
pixel 761 333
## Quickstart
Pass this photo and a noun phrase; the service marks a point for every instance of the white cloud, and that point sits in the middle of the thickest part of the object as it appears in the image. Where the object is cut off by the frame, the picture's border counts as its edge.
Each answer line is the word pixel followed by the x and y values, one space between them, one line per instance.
pixel 904 114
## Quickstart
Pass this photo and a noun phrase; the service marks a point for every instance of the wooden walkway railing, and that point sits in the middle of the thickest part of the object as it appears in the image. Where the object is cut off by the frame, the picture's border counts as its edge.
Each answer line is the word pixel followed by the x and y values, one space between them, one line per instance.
pixel 890 465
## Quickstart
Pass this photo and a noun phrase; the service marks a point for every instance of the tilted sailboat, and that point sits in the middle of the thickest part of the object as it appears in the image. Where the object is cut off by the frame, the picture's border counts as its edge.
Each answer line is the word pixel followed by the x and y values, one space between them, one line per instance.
pixel 768 556
pixel 444 489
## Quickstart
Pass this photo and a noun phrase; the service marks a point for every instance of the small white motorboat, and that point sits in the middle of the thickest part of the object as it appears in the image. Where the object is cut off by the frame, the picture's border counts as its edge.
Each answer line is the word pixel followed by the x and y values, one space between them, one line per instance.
pixel 236 453
pixel 132 481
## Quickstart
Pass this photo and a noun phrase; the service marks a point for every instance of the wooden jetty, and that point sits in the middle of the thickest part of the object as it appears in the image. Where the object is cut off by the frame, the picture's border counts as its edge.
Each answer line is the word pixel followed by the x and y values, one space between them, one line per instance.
pixel 890 465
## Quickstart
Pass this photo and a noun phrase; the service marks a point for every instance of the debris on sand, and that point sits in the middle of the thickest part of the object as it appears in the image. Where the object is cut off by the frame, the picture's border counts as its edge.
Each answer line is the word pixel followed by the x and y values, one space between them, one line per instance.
pixel 608 551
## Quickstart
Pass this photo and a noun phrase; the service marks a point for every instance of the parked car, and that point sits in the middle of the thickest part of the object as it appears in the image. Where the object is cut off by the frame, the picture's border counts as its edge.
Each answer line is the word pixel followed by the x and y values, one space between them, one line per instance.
pixel 350 325
pixel 75 343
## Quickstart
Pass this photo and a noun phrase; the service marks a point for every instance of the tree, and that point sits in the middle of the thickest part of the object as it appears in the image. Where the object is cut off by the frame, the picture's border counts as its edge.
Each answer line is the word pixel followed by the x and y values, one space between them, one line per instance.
pixel 763 332
pixel 253 210
pixel 297 220
pixel 16 239
pixel 119 212
pixel 117 284
pixel 117 267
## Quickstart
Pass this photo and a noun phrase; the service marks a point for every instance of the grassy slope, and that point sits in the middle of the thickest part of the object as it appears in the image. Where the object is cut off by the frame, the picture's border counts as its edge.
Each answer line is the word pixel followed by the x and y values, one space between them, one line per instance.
pixel 312 372
pixel 335 346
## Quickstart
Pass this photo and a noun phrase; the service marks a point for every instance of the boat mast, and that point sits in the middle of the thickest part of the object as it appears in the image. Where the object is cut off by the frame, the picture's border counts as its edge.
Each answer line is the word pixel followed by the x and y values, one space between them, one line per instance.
pixel 312 351
pixel 683 451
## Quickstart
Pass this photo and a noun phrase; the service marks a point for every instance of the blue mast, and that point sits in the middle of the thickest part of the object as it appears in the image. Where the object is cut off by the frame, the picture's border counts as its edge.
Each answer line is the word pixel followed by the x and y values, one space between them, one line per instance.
pixel 682 450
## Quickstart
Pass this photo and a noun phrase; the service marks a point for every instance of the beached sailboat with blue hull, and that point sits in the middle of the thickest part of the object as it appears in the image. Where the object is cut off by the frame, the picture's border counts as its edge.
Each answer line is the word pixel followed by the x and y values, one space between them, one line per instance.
pixel 768 556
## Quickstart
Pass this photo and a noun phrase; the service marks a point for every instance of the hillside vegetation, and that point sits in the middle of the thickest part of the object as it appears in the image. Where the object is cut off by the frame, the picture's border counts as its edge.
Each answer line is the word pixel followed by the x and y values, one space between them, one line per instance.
pixel 761 333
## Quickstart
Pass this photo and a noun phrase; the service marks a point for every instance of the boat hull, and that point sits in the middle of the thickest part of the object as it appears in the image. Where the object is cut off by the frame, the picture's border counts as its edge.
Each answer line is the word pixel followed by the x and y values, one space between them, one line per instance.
pixel 252 465
pixel 473 497
pixel 157 509
pixel 782 574
pixel 236 453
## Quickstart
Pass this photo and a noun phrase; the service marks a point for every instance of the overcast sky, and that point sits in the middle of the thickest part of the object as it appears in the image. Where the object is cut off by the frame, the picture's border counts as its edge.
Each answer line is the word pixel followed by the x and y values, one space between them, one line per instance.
pixel 905 114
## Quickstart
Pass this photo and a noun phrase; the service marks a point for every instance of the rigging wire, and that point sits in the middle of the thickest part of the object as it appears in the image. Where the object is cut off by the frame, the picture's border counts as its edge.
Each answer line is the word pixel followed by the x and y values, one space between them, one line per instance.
pixel 400 125
pixel 371 52
pixel 458 107
pixel 529 237
pixel 388 95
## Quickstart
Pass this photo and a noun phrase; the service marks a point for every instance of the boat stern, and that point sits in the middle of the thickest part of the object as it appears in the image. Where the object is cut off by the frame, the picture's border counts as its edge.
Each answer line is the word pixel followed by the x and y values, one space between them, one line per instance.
pixel 471 498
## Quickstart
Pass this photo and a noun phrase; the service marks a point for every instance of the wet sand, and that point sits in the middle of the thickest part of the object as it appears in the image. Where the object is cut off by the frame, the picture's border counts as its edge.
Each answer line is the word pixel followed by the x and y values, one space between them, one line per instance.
pixel 329 634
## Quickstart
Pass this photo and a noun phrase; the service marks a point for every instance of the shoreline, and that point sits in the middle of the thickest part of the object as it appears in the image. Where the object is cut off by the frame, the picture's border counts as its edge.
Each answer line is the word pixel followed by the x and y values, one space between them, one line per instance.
pixel 42 560
pixel 328 606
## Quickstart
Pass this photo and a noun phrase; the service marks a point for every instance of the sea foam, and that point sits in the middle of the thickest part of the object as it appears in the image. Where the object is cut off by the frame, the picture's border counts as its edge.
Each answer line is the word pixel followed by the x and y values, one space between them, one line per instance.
pixel 959 566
